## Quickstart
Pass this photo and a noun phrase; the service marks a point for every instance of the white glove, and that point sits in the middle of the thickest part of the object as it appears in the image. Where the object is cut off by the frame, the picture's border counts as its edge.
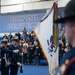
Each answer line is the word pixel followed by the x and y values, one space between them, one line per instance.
pixel 15 51
pixel 19 64
pixel 0 61
pixel 8 63
pixel 21 54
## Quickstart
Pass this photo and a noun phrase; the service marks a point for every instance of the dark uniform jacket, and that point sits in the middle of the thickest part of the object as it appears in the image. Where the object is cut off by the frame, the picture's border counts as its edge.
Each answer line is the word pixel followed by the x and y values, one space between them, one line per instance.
pixel 68 56
pixel 4 51
pixel 14 57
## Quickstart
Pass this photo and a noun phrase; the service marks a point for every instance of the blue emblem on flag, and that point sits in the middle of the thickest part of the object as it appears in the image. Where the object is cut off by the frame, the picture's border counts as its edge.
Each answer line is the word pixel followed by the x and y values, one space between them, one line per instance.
pixel 51 48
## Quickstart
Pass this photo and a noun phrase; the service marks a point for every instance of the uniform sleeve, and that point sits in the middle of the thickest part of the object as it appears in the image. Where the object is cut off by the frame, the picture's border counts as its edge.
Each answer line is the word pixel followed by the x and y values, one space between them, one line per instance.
pixel 10 50
pixel 67 56
pixel 5 50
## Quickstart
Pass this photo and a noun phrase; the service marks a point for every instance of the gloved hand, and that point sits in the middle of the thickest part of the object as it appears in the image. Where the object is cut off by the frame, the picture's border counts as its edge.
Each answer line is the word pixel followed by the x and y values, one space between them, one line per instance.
pixel 21 54
pixel 15 51
pixel 0 60
pixel 19 64
pixel 8 63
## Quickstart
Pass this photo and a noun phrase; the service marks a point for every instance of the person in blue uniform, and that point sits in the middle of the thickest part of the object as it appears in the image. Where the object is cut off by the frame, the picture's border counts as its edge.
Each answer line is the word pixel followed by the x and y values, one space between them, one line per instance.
pixel 69 23
pixel 4 58
pixel 14 57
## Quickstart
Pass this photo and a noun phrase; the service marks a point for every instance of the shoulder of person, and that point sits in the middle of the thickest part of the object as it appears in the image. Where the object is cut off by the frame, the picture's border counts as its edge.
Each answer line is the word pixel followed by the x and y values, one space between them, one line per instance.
pixel 10 47
pixel 69 55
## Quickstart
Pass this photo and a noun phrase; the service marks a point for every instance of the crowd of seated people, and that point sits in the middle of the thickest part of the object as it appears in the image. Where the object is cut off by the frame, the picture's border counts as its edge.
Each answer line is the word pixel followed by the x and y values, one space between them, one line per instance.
pixel 32 53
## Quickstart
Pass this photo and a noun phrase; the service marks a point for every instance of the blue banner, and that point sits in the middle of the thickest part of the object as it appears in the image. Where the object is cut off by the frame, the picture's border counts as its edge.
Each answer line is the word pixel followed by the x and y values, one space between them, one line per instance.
pixel 18 21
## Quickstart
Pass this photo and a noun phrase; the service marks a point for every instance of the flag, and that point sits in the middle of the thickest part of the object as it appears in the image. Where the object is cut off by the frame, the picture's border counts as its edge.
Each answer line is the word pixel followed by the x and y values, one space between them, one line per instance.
pixel 44 33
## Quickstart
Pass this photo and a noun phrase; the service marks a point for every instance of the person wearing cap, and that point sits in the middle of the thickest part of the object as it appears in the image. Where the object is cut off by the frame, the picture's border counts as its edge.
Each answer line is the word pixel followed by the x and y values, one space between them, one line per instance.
pixel 15 62
pixel 4 58
pixel 69 23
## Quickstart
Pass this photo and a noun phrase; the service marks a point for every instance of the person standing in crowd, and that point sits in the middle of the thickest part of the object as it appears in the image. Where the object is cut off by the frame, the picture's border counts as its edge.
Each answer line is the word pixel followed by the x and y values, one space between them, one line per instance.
pixel 25 31
pixel 19 35
pixel 24 35
pixel 14 57
pixel 5 37
pixel 15 35
pixel 61 33
pixel 61 49
pixel 30 52
pixel 69 25
pixel 10 37
pixel 28 39
pixel 61 54
pixel 36 52
pixel 24 41
pixel 25 53
pixel 33 38
pixel 4 58
pixel 64 41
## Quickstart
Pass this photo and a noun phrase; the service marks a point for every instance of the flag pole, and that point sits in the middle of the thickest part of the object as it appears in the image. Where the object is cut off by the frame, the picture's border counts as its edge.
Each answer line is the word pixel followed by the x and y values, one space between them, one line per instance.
pixel 55 27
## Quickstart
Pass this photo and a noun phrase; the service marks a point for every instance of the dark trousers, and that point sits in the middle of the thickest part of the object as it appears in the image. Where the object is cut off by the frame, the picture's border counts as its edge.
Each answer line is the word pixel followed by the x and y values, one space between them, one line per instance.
pixel 30 59
pixel 36 58
pixel 24 58
pixel 13 70
pixel 4 68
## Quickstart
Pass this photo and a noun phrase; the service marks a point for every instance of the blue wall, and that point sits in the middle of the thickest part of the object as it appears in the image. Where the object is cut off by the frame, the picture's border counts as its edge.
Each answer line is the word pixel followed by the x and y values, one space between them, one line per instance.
pixel 17 21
